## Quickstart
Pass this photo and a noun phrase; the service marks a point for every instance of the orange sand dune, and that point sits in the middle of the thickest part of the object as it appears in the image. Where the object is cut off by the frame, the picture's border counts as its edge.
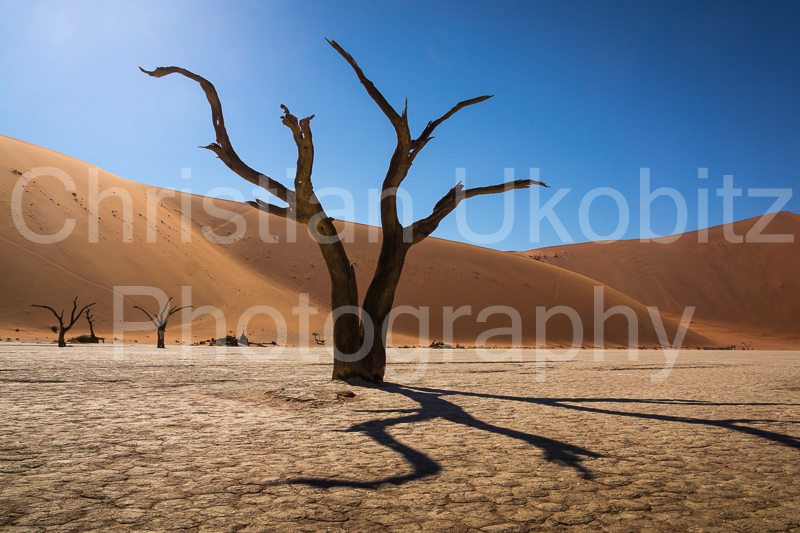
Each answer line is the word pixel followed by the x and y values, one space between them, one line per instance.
pixel 744 291
pixel 262 268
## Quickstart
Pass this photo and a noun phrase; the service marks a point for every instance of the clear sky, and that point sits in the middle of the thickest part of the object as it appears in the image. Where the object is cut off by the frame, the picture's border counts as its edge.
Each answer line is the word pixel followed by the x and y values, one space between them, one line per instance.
pixel 587 92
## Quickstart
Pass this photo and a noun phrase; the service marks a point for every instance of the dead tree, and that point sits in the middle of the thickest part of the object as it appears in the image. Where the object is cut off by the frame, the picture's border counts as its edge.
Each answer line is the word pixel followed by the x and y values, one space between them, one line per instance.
pixel 160 320
pixel 63 326
pixel 92 337
pixel 359 340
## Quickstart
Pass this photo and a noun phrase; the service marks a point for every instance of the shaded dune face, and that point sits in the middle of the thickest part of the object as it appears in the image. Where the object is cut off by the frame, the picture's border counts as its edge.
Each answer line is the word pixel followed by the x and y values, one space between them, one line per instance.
pixel 743 291
pixel 154 238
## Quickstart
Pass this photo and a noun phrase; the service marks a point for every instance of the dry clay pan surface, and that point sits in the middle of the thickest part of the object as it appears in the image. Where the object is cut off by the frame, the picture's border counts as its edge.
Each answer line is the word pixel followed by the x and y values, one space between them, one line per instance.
pixel 201 439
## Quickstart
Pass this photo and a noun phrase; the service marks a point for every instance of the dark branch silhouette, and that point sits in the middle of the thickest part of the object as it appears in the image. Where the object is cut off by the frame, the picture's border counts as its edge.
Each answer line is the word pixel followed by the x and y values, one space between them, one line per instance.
pixel 424 227
pixel 223 147
pixel 160 320
pixel 65 325
pixel 353 358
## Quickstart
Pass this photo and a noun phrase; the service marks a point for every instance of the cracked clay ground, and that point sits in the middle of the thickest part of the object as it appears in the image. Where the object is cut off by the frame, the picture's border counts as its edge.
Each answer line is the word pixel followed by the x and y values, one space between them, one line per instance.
pixel 92 439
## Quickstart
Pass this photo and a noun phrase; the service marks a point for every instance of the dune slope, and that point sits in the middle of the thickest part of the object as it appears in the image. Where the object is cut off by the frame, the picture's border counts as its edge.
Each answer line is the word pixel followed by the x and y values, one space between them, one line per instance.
pixel 743 291
pixel 127 234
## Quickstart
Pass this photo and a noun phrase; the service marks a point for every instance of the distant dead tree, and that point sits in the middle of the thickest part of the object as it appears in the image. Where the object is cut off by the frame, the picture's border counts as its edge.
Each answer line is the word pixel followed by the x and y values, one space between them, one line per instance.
pixel 92 337
pixel 359 336
pixel 63 326
pixel 160 320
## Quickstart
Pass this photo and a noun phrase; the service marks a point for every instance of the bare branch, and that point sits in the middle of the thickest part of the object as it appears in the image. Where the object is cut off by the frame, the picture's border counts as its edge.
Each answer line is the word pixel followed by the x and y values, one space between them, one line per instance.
pixel 75 316
pixel 59 317
pixel 373 92
pixel 152 319
pixel 284 212
pixel 503 187
pixel 424 227
pixel 176 309
pixel 161 314
pixel 223 147
pixel 160 320
pixel 301 131
pixel 163 322
pixel 425 136
pixel 78 314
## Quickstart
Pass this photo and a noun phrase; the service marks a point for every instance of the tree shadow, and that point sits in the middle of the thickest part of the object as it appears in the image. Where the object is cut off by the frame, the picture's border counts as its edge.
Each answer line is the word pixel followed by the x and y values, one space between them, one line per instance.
pixel 433 405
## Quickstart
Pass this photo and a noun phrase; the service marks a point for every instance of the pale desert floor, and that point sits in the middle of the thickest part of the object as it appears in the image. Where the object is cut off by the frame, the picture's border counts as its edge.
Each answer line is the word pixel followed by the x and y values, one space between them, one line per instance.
pixel 93 439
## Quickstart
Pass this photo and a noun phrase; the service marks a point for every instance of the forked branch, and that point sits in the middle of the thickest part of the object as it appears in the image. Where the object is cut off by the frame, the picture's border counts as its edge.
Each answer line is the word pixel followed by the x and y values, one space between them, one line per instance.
pixel 223 147
pixel 301 131
pixel 425 136
pixel 447 204
pixel 400 122
pixel 73 315
pixel 407 149
pixel 161 319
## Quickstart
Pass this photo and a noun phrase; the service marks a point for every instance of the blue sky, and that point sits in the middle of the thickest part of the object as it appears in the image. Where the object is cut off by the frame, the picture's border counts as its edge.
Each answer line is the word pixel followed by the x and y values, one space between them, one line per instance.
pixel 587 92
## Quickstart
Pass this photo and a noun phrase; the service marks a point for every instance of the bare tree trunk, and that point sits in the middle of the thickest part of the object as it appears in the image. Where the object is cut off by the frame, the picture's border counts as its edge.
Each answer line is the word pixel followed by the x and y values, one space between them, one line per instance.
pixel 379 299
pixel 61 334
pixel 347 333
pixel 161 333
